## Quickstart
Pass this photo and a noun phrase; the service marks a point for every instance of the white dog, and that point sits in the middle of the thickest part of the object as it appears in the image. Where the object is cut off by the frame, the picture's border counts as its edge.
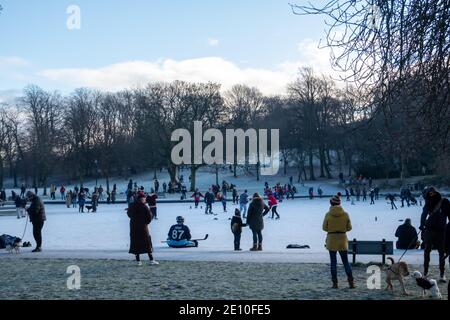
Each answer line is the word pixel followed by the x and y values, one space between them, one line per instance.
pixel 427 284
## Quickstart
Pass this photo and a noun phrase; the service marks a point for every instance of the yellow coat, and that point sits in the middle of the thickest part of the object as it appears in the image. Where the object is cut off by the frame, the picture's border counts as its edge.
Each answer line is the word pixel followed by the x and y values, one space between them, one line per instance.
pixel 337 223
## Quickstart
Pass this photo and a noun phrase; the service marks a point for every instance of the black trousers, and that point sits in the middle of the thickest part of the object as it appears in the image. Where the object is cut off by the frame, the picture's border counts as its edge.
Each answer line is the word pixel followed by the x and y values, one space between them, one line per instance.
pixel 37 233
pixel 434 240
pixel 274 212
pixel 237 241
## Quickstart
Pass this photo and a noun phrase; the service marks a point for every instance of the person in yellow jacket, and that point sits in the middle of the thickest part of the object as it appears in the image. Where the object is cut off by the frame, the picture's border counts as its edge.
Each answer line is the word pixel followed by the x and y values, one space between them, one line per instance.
pixel 337 223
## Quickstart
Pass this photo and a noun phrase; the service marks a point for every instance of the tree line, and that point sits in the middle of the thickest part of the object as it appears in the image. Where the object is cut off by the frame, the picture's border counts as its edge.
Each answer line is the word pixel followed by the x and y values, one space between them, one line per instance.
pixel 324 129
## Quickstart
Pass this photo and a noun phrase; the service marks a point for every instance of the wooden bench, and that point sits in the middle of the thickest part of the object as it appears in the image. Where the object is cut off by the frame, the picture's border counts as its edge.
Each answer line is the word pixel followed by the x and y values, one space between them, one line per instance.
pixel 370 248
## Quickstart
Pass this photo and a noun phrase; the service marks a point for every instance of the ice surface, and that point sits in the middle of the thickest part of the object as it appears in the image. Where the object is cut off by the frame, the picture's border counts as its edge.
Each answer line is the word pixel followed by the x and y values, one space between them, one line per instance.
pixel 105 234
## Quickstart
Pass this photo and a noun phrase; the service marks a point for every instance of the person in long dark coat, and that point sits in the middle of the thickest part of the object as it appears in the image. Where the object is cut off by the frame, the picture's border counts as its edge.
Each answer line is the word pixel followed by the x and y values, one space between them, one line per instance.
pixel 140 218
pixel 36 212
pixel 256 211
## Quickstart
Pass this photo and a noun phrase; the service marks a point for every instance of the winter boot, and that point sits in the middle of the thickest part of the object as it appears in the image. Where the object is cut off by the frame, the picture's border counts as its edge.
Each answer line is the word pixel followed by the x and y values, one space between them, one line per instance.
pixel 351 283
pixel 260 247
pixel 335 283
pixel 254 248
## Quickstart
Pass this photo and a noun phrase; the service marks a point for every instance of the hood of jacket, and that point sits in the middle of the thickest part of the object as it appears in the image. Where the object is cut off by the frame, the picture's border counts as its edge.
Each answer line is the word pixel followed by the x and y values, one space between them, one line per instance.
pixel 336 211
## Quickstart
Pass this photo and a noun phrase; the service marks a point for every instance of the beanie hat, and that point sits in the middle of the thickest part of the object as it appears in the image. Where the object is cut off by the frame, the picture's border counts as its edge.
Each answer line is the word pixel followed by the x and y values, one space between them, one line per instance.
pixel 335 201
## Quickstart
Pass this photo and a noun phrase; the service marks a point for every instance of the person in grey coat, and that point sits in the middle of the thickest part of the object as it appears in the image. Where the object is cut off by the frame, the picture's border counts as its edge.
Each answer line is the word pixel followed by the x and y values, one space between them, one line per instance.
pixel 256 211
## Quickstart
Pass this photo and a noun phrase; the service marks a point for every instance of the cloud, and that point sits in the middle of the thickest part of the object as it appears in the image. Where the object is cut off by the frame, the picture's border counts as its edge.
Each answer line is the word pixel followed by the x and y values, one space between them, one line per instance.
pixel 129 74
pixel 9 96
pixel 13 61
pixel 136 73
pixel 213 42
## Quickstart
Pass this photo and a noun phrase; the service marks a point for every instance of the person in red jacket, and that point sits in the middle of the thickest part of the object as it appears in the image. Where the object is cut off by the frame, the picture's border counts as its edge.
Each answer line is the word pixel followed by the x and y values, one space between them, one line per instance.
pixel 151 201
pixel 62 190
pixel 197 195
pixel 273 204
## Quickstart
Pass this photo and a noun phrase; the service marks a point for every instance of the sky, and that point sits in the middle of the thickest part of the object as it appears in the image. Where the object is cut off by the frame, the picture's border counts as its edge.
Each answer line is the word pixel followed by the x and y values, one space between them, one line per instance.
pixel 124 44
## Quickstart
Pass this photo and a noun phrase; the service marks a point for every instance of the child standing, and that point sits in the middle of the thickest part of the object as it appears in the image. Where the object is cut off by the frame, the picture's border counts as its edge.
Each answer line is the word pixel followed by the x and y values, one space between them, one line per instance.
pixel 236 228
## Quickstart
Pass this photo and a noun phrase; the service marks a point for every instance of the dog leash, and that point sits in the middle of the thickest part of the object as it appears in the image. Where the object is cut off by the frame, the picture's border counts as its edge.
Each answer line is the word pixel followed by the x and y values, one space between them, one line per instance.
pixel 25 229
pixel 410 245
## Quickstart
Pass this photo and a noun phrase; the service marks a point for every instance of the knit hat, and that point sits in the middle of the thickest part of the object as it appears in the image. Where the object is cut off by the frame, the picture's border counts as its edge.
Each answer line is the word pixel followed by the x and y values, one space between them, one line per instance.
pixel 237 212
pixel 335 201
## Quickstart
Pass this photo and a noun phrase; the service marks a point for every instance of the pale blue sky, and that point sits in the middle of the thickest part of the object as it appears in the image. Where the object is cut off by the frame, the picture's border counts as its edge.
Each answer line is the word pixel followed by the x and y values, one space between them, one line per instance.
pixel 243 35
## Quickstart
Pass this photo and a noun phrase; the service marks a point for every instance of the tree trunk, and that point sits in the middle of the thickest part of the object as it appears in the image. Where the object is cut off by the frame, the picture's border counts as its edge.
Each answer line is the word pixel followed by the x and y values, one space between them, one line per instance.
pixel 339 159
pixel 15 177
pixel 1 172
pixel 404 167
pixel 172 169
pixel 193 177
pixel 322 162
pixel 258 168
pixel 327 152
pixel 217 175
pixel 44 184
pixel 311 166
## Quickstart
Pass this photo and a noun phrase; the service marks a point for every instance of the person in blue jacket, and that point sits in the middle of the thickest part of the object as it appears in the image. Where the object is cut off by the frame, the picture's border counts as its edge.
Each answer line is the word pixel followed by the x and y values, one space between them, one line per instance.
pixel 179 235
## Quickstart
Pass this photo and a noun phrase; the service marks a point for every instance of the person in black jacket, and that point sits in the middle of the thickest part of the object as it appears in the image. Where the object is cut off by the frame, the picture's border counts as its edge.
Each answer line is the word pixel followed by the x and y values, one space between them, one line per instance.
pixel 236 228
pixel 209 199
pixel 392 199
pixel 36 212
pixel 433 224
pixel 407 236
pixel 256 211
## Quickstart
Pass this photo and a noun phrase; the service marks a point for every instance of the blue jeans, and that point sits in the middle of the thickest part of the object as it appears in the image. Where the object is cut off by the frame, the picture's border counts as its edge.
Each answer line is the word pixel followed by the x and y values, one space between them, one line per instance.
pixel 243 209
pixel 344 258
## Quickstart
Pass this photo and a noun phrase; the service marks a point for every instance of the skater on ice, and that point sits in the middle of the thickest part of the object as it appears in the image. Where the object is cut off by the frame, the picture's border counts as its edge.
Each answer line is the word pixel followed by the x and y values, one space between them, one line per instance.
pixel 243 200
pixel 209 200
pixel 273 204
pixel 197 195
pixel 151 201
pixel 392 200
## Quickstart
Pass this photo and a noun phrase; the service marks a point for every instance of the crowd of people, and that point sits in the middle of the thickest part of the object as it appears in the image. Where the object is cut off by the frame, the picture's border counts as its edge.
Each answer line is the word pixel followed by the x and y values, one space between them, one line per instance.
pixel 142 209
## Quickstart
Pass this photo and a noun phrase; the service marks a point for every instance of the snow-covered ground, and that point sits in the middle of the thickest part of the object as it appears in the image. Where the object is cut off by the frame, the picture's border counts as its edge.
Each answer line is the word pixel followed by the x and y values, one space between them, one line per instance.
pixel 105 234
